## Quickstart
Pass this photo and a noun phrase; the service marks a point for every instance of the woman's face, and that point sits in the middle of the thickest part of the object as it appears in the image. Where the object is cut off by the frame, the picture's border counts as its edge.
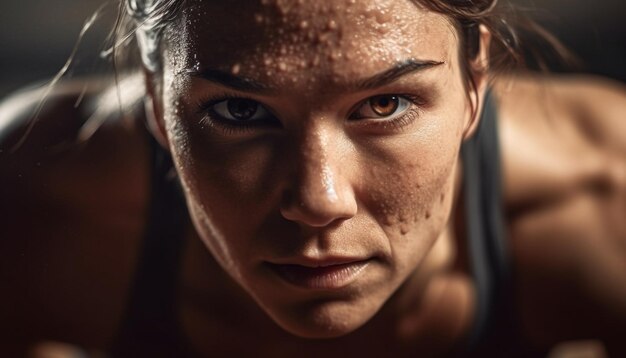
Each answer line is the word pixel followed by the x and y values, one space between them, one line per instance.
pixel 317 145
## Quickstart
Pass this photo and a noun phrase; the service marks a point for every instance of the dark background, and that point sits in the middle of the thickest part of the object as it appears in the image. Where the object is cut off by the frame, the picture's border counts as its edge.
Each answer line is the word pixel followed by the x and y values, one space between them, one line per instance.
pixel 37 36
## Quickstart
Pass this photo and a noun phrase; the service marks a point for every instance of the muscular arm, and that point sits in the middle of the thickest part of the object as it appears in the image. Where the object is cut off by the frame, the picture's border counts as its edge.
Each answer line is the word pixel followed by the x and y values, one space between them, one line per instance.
pixel 603 116
pixel 564 154
pixel 71 215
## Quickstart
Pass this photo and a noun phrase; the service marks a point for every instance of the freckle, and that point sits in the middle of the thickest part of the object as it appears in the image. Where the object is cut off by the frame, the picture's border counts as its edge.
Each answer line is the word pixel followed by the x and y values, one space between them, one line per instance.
pixel 427 215
pixel 443 196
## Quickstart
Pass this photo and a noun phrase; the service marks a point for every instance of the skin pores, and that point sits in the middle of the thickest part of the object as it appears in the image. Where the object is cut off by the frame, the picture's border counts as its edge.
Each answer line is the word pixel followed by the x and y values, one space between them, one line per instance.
pixel 319 214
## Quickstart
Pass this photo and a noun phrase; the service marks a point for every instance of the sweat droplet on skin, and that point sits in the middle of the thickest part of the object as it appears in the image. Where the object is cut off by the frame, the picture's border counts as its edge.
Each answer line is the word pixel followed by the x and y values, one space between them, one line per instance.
pixel 335 55
pixel 235 69
pixel 383 17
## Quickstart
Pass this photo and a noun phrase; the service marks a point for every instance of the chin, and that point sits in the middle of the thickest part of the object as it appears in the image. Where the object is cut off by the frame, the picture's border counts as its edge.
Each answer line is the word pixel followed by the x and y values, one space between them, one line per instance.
pixel 326 319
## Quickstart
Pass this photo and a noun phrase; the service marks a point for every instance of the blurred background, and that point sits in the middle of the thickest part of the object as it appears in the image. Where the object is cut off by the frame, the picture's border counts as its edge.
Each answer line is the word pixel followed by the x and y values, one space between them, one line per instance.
pixel 37 36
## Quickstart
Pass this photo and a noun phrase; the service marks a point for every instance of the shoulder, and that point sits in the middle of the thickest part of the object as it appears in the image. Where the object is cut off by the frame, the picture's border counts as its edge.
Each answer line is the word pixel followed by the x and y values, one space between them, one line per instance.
pixel 596 106
pixel 55 141
pixel 561 133
pixel 73 200
pixel 563 142
pixel 41 114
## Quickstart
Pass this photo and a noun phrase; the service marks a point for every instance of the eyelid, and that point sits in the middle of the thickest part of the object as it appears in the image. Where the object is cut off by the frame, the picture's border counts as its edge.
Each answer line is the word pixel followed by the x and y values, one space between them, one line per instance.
pixel 205 102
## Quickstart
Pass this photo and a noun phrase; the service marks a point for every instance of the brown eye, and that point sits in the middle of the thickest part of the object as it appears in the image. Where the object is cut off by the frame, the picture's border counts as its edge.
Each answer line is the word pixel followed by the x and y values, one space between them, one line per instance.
pixel 384 105
pixel 240 110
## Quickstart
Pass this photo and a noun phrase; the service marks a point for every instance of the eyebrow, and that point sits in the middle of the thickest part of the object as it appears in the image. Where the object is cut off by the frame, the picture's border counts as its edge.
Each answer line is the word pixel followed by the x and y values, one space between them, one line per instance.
pixel 246 84
pixel 400 69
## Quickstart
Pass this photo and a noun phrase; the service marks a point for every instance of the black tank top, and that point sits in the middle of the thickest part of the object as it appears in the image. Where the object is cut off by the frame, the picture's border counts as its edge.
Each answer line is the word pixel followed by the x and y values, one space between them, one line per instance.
pixel 150 327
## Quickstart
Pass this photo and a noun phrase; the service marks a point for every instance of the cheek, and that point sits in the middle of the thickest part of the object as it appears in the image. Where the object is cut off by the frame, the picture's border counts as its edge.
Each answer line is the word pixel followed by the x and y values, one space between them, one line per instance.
pixel 231 182
pixel 412 197
pixel 410 185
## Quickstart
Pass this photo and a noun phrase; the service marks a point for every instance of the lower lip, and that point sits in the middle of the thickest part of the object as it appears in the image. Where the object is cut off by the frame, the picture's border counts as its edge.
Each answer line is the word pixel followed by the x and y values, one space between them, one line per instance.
pixel 321 278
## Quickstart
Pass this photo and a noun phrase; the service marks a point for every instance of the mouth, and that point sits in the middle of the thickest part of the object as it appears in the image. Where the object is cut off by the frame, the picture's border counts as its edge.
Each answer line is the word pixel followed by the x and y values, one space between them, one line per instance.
pixel 322 275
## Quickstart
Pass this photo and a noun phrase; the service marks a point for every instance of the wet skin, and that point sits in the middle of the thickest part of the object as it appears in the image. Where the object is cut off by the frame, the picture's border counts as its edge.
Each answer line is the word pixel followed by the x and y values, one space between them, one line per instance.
pixel 319 177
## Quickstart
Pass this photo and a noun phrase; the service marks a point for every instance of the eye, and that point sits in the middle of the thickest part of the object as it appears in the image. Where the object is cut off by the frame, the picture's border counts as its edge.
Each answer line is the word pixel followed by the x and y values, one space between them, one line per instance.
pixel 239 110
pixel 384 106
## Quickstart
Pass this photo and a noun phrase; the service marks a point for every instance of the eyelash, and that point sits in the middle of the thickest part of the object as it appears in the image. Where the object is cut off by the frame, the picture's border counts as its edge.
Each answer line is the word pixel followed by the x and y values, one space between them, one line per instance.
pixel 214 121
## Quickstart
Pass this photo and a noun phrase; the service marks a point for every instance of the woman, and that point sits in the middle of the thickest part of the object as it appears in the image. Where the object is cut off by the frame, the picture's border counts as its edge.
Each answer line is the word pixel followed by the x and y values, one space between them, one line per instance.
pixel 362 180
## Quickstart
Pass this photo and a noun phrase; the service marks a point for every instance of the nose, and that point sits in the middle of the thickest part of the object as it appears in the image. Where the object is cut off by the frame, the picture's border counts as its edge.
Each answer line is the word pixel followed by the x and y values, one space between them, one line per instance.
pixel 320 191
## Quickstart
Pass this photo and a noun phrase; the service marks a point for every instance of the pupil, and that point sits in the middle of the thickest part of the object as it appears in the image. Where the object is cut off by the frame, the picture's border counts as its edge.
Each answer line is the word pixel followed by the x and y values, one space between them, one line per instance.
pixel 384 105
pixel 242 109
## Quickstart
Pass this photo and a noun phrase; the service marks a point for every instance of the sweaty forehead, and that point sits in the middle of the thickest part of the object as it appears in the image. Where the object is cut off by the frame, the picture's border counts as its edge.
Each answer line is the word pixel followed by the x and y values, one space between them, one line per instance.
pixel 284 41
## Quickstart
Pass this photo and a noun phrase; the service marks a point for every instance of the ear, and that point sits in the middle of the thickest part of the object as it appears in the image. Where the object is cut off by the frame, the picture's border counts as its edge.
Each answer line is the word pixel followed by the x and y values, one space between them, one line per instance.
pixel 479 73
pixel 153 103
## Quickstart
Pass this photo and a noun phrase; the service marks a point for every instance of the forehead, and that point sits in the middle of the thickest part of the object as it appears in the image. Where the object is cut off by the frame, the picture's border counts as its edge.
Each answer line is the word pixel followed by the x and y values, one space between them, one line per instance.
pixel 288 40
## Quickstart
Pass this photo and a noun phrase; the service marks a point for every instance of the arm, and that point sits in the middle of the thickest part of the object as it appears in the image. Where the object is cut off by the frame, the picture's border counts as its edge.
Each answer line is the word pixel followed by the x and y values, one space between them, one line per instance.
pixel 72 213
pixel 563 141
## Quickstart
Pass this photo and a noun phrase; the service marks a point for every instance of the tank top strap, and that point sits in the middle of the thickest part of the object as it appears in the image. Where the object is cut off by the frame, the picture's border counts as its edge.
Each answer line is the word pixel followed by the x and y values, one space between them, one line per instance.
pixel 487 245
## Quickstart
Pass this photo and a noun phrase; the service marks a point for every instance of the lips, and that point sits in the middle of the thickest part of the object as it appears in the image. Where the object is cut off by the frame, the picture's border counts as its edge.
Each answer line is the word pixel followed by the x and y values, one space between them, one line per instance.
pixel 323 275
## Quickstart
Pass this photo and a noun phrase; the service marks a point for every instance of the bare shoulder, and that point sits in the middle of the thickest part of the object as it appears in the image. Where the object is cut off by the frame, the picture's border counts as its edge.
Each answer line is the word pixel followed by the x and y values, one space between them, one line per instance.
pixel 561 133
pixel 73 203
pixel 563 140
pixel 596 105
